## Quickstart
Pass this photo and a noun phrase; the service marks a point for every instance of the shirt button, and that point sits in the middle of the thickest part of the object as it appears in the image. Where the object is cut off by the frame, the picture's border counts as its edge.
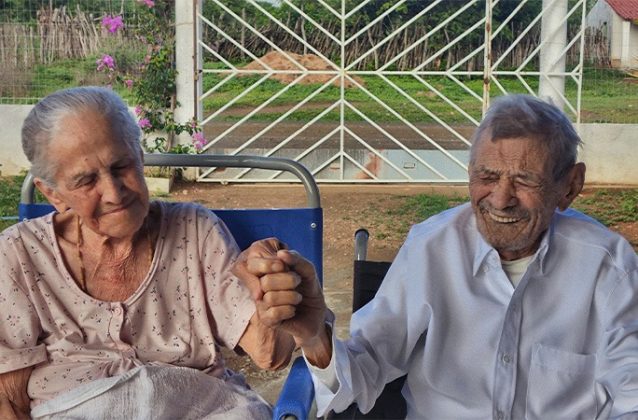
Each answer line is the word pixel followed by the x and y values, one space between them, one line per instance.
pixel 500 415
pixel 117 311
pixel 506 358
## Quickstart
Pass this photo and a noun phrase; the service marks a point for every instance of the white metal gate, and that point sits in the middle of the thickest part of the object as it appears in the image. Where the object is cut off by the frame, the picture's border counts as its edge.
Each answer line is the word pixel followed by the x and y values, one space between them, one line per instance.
pixel 375 91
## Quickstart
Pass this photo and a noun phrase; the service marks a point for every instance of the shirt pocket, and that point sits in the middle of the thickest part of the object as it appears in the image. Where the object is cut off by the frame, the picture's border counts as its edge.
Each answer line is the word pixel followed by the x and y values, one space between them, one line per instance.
pixel 560 385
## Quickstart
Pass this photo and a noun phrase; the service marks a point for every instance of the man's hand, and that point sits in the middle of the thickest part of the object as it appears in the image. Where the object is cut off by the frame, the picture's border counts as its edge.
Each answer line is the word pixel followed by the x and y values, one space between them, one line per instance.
pixel 285 288
pixel 292 300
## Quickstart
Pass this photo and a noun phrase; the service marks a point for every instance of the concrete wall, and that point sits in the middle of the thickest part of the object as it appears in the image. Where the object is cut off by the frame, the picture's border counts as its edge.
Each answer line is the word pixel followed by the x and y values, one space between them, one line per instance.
pixel 610 152
pixel 12 160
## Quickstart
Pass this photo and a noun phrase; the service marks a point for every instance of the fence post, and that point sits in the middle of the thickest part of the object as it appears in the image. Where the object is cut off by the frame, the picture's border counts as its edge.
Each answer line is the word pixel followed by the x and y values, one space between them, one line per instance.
pixel 185 64
pixel 551 85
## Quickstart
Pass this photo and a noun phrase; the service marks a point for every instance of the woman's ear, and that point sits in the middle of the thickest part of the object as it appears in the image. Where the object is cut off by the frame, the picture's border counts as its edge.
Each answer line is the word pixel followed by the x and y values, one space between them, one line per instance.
pixel 51 195
pixel 575 182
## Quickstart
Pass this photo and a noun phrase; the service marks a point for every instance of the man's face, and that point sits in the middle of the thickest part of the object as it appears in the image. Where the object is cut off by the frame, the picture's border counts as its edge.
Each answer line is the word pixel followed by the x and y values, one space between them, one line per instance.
pixel 513 194
pixel 99 175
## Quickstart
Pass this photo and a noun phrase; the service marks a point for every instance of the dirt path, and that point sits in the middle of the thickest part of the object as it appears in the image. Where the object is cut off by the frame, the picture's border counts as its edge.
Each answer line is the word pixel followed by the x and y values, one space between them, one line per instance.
pixel 346 208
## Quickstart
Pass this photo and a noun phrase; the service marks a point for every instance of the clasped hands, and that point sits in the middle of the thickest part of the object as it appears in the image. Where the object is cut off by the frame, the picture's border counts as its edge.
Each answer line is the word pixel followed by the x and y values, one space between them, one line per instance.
pixel 285 289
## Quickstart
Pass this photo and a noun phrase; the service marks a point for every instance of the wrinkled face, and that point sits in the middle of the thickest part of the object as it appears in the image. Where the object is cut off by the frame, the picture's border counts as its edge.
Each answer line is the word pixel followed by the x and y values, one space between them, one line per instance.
pixel 99 175
pixel 513 194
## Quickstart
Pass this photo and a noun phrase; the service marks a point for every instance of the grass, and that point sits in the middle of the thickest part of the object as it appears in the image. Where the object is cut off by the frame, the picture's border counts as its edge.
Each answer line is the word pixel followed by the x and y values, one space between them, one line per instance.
pixel 607 96
pixel 610 207
pixel 393 218
pixel 9 199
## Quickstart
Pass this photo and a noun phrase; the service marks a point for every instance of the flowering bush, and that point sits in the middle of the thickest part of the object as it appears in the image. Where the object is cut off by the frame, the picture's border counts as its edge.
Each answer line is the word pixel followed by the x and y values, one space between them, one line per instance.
pixel 154 86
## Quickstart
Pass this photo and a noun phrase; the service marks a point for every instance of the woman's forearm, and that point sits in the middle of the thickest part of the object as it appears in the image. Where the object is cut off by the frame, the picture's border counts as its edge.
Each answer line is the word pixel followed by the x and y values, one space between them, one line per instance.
pixel 269 348
pixel 14 400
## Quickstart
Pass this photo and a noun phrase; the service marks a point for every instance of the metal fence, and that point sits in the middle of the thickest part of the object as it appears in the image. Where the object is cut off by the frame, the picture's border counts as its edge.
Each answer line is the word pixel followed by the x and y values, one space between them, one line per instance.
pixel 374 91
pixel 358 91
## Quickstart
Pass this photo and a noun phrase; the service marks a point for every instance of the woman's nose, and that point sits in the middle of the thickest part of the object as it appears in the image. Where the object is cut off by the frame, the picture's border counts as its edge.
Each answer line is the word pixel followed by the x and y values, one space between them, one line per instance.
pixel 112 189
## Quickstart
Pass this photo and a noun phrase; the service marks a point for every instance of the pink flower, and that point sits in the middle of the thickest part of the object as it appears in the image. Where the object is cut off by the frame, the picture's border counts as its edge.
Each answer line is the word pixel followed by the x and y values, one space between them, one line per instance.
pixel 105 62
pixel 138 109
pixel 149 3
pixel 144 123
pixel 128 83
pixel 112 23
pixel 199 141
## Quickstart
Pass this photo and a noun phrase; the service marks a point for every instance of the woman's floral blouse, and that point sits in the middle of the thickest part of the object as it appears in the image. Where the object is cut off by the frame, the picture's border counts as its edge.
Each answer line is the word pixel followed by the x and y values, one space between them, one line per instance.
pixel 188 305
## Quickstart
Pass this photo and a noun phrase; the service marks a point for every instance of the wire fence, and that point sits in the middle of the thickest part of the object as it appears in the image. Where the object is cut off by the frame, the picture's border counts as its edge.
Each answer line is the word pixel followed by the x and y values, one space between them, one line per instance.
pixel 46 45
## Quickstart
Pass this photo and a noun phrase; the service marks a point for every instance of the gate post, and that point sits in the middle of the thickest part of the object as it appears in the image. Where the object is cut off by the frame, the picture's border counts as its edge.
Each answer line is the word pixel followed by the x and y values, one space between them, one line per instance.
pixel 185 44
pixel 551 85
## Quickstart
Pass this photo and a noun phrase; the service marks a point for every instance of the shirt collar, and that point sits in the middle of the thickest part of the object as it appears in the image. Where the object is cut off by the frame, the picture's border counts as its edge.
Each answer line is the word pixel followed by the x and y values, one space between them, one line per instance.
pixel 486 254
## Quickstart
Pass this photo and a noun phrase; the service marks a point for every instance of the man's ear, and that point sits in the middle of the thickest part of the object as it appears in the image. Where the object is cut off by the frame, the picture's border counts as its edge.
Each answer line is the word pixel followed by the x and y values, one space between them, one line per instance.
pixel 51 194
pixel 575 182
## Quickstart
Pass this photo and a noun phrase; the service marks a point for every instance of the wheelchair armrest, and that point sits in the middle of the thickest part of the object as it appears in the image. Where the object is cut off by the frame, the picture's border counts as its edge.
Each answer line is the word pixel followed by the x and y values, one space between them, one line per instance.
pixel 297 393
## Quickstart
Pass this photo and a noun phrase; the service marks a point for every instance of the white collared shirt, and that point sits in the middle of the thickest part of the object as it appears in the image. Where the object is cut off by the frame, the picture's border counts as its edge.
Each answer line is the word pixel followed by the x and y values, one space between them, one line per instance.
pixel 561 345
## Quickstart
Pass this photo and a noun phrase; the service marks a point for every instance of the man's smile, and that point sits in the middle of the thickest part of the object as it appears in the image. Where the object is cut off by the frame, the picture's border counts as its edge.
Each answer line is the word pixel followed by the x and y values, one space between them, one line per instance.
pixel 503 219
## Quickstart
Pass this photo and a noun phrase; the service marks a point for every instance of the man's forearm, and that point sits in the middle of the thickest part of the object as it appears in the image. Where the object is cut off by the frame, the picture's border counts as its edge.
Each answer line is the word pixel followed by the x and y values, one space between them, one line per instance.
pixel 318 351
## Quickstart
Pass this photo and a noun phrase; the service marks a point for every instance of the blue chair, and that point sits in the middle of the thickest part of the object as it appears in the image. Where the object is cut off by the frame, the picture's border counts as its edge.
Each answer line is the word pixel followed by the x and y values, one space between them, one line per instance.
pixel 300 228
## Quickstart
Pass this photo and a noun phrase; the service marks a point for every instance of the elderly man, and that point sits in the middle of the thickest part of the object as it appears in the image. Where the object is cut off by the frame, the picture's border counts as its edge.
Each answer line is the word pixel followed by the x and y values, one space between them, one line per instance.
pixel 511 306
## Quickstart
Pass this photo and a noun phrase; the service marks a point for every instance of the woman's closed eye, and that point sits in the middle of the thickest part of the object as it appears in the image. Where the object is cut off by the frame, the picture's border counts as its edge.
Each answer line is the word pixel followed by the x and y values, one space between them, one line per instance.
pixel 85 181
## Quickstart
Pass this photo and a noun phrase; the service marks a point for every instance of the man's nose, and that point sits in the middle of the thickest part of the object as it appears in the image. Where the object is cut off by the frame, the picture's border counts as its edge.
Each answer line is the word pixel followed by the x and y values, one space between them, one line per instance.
pixel 503 195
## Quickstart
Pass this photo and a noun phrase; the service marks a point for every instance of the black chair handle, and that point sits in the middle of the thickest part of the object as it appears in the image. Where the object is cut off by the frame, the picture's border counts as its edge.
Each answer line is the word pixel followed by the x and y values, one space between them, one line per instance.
pixel 361 244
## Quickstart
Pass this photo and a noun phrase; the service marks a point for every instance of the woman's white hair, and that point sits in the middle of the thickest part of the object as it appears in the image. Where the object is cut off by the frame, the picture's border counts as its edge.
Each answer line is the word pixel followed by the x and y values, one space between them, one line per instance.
pixel 45 118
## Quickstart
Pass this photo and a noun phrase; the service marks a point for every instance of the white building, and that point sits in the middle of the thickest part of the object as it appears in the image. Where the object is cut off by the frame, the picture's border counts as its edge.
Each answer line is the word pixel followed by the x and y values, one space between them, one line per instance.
pixel 618 20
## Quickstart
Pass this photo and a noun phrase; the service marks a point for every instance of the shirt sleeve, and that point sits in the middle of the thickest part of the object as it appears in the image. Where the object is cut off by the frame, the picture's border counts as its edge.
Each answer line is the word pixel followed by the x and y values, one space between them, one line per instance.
pixel 229 301
pixel 19 321
pixel 618 356
pixel 326 377
pixel 383 335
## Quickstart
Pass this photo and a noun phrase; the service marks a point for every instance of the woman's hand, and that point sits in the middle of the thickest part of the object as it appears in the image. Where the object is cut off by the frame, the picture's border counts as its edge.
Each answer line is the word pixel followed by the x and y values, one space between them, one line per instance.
pixel 262 249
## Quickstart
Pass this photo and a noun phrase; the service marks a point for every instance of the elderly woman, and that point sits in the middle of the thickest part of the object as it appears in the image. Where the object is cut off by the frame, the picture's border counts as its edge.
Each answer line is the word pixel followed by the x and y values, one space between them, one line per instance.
pixel 113 304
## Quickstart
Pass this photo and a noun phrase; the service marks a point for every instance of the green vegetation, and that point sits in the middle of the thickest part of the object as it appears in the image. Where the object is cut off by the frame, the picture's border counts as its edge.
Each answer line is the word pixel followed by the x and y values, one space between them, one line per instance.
pixel 393 217
pixel 607 96
pixel 9 199
pixel 610 207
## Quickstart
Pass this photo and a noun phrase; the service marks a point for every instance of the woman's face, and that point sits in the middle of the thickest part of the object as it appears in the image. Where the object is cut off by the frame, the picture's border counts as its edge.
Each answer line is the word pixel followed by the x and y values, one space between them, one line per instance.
pixel 99 175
